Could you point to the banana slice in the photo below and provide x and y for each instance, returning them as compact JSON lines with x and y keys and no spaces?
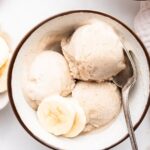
{"x":3,"y":78}
{"x":79,"y":121}
{"x":56,"y":115}
{"x":4,"y":52}
{"x":4,"y":63}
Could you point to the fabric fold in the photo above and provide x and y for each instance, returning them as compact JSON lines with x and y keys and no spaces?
{"x":142,"y":23}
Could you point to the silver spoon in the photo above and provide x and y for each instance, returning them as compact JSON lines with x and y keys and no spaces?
{"x":125,"y":80}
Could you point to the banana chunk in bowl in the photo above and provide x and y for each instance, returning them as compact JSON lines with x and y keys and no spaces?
{"x":61,"y":116}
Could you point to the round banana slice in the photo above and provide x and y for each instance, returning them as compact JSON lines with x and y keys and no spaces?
{"x":79,"y":121}
{"x":56,"y":115}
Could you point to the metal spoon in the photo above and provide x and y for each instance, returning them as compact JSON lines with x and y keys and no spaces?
{"x":125,"y":80}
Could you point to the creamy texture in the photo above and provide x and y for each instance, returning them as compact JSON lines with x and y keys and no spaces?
{"x":94,"y":52}
{"x":48,"y":74}
{"x":100,"y":101}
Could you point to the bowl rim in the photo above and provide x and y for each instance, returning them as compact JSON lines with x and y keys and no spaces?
{"x":9,"y":77}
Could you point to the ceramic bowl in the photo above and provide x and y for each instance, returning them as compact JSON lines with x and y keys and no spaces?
{"x":52,"y":30}
{"x":3,"y":100}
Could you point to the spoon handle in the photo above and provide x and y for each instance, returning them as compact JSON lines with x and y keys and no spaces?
{"x":125,"y":103}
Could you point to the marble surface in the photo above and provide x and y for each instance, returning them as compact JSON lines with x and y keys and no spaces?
{"x":17,"y":17}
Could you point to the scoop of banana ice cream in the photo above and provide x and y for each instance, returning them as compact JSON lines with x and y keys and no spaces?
{"x":48,"y":74}
{"x":94,"y":52}
{"x":100,"y":101}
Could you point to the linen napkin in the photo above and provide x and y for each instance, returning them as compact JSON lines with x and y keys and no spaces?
{"x":142,"y":23}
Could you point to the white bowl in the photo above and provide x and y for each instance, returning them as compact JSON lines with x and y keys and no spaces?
{"x":56,"y":27}
{"x":3,"y":100}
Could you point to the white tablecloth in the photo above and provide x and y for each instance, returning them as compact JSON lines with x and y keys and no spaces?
{"x":19,"y":16}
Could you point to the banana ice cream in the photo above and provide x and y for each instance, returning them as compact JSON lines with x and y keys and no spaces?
{"x":49,"y":74}
{"x":74,"y":93}
{"x":94,"y":52}
{"x":4,"y":63}
{"x":100,"y":101}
